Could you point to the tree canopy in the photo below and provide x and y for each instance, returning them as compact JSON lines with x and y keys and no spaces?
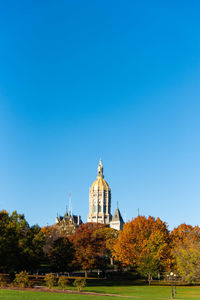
{"x":21,"y":246}
{"x":143,"y":241}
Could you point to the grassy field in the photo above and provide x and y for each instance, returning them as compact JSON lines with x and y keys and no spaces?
{"x":137,"y":292}
{"x":23,"y":295}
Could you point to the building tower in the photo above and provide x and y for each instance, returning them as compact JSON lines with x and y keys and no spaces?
{"x":100,"y":199}
{"x":117,"y":220}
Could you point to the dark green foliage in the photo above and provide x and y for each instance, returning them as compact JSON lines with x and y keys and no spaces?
{"x":21,"y":246}
{"x":61,"y":255}
{"x":80,"y":283}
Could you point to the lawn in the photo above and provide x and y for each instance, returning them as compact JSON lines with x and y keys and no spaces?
{"x":149,"y":292}
{"x":137,"y":292}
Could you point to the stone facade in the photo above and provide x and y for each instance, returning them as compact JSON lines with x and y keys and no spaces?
{"x":68,"y":223}
{"x":100,"y":199}
{"x":117,"y":221}
{"x":100,"y":203}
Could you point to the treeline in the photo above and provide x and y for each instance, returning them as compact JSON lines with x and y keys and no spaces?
{"x":145,"y":245}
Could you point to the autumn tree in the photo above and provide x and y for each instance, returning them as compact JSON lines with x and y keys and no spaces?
{"x":51,"y":234}
{"x":108,"y":236}
{"x":185,"y":248}
{"x":89,"y":246}
{"x":180,"y":233}
{"x":144,"y":242}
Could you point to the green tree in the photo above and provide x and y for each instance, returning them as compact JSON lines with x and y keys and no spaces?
{"x":61,"y":255}
{"x":148,"y":267}
{"x":20,"y":245}
{"x":13,"y":230}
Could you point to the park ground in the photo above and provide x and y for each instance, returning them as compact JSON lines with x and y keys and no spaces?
{"x":126,"y":292}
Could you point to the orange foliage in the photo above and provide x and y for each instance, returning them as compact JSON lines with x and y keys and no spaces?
{"x":140,"y":237}
{"x":88,"y":246}
{"x":182,"y":232}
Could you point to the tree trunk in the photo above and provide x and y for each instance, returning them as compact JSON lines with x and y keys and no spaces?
{"x":149,"y":278}
{"x":111,"y":260}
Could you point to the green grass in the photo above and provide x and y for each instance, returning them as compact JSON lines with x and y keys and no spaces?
{"x":148,"y":292}
{"x":137,"y":292}
{"x":26,"y":295}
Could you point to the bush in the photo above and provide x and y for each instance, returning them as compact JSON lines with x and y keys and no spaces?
{"x":50,"y":280}
{"x":63,"y":282}
{"x":79,"y":283}
{"x":3,"y":281}
{"x":21,"y":279}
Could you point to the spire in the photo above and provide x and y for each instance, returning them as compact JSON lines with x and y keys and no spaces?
{"x":117,"y":216}
{"x":70,"y":205}
{"x":100,"y":170}
{"x":66,"y":214}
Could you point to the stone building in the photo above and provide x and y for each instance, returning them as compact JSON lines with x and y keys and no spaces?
{"x":100,"y":203}
{"x":117,"y":220}
{"x":68,"y":223}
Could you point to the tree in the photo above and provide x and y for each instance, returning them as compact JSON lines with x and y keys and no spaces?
{"x":143,"y":239}
{"x":108,"y":236}
{"x":88,"y":246}
{"x":185,"y":245}
{"x":180,"y":233}
{"x":20,"y":245}
{"x":13,"y":230}
{"x":61,"y":255}
{"x":51,"y":234}
{"x":187,"y":257}
{"x":148,"y":266}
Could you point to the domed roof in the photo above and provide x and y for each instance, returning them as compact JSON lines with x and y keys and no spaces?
{"x":100,"y":184}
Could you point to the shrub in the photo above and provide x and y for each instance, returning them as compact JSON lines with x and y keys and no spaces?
{"x":80,"y":283}
{"x":50,"y":280}
{"x":21,"y":279}
{"x":63,"y":282}
{"x":3,"y":281}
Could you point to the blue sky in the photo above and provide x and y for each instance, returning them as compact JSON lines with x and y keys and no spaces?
{"x":117,"y":80}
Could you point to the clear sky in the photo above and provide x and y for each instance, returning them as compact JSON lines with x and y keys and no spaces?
{"x":117,"y":80}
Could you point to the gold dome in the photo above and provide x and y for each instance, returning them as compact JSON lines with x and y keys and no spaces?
{"x":100,"y":184}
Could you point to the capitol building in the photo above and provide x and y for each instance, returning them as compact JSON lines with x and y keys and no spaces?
{"x":99,"y":208}
{"x":100,"y":203}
